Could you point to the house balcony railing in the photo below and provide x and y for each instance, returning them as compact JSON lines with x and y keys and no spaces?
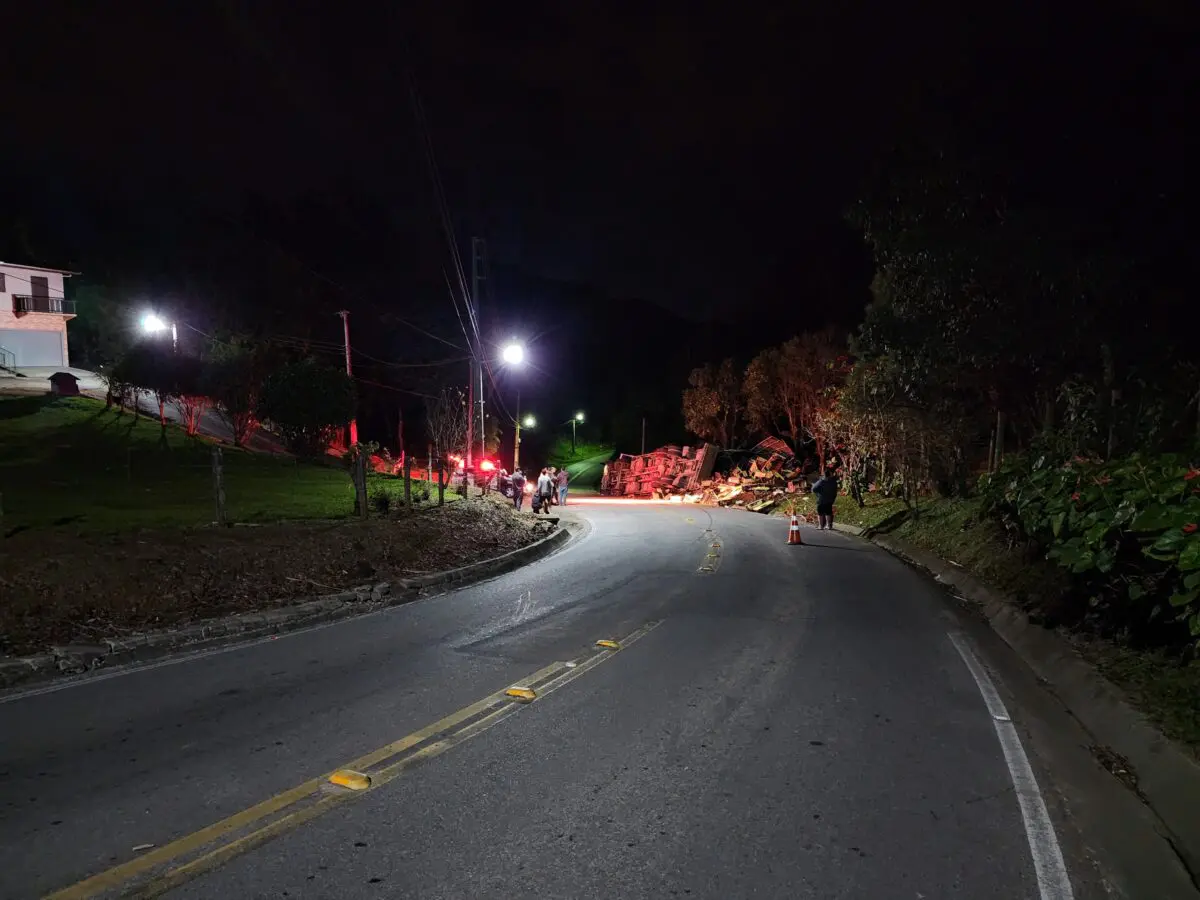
{"x":23,"y":303}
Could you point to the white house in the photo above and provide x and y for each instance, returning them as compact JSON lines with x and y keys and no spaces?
{"x":33,"y":316}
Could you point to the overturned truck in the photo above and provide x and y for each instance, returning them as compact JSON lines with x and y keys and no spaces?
{"x":670,"y":471}
{"x":757,"y":479}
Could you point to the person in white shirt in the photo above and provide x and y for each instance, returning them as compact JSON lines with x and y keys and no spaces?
{"x":545,"y":488}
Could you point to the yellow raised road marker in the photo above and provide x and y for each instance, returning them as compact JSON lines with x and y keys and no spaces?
{"x":608,"y":645}
{"x":164,"y":868}
{"x":348,"y":778}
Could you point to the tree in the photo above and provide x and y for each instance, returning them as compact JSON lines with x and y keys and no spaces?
{"x":790,"y":389}
{"x":234,"y":381}
{"x":713,"y":404}
{"x":491,"y":435}
{"x":190,"y":400}
{"x":150,"y":366}
{"x":446,"y":416}
{"x":306,"y":402}
{"x":100,"y":335}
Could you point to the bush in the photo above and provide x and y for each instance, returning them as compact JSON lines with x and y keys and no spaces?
{"x":1128,"y":531}
{"x":306,"y":402}
{"x":381,"y":502}
{"x":233,"y":379}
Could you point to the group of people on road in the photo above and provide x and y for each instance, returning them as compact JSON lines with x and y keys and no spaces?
{"x":550,"y":489}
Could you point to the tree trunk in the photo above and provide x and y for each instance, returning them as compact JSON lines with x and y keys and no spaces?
{"x":1048,"y":414}
{"x":999,"y":438}
{"x":1198,"y":419}
{"x":1110,"y":384}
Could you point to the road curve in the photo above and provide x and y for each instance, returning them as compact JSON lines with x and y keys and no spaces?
{"x":791,"y":722}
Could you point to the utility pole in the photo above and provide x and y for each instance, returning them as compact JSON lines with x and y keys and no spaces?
{"x":478,"y":275}
{"x":400,"y":434}
{"x":643,"y":435}
{"x":517,"y":437}
{"x":470,"y":415}
{"x":345,"y":314}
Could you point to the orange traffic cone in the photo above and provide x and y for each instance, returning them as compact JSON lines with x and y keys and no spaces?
{"x":794,"y":531}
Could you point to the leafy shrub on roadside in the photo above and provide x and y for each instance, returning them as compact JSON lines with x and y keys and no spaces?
{"x":381,"y":501}
{"x":1128,"y":531}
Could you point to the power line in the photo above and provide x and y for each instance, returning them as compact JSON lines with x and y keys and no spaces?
{"x":422,"y":365}
{"x":394,"y":388}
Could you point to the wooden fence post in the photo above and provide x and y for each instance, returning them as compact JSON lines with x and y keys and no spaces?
{"x":360,"y":483}
{"x":218,"y":470}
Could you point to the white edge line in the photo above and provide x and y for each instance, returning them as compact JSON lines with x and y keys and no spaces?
{"x":131,"y":668}
{"x":1053,"y":881}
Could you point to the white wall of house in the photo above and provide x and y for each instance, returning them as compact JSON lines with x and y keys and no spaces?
{"x":29,"y":337}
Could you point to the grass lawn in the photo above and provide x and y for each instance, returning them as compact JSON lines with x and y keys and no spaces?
{"x":70,"y":464}
{"x":1167,"y":691}
{"x":585,"y":465}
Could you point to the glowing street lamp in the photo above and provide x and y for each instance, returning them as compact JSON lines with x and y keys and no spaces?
{"x":154,"y":324}
{"x":575,"y":420}
{"x":527,"y":422}
{"x":513,"y":354}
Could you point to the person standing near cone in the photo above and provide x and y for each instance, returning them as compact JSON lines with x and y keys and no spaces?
{"x":826,"y":490}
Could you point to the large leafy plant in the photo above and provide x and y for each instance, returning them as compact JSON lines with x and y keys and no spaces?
{"x":1129,"y":530}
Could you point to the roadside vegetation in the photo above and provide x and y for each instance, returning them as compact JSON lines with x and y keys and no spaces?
{"x":876,"y":509}
{"x":585,"y":462}
{"x":71,"y":464}
{"x":1022,"y":390}
{"x":107,"y":526}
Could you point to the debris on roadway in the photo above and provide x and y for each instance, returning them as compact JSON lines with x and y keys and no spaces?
{"x":757,"y":480}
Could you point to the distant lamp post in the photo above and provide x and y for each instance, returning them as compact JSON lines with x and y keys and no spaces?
{"x":575,"y":420}
{"x":513,"y":354}
{"x":154,"y":324}
{"x":527,"y":422}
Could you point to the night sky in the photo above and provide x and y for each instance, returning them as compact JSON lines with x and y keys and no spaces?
{"x":699,"y":163}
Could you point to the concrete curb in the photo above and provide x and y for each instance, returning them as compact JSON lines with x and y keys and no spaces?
{"x":74,"y":659}
{"x":1168,"y":778}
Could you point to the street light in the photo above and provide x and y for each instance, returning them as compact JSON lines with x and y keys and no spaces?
{"x":513,"y":354}
{"x":575,"y":420}
{"x":527,"y":422}
{"x":153,"y":324}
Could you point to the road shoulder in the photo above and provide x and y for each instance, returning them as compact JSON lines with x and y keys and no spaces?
{"x":1095,"y":725}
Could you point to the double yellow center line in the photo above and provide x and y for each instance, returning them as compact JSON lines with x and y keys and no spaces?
{"x":167,"y":867}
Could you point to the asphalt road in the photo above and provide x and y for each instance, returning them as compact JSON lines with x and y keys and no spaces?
{"x":586,"y":473}
{"x":791,"y":722}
